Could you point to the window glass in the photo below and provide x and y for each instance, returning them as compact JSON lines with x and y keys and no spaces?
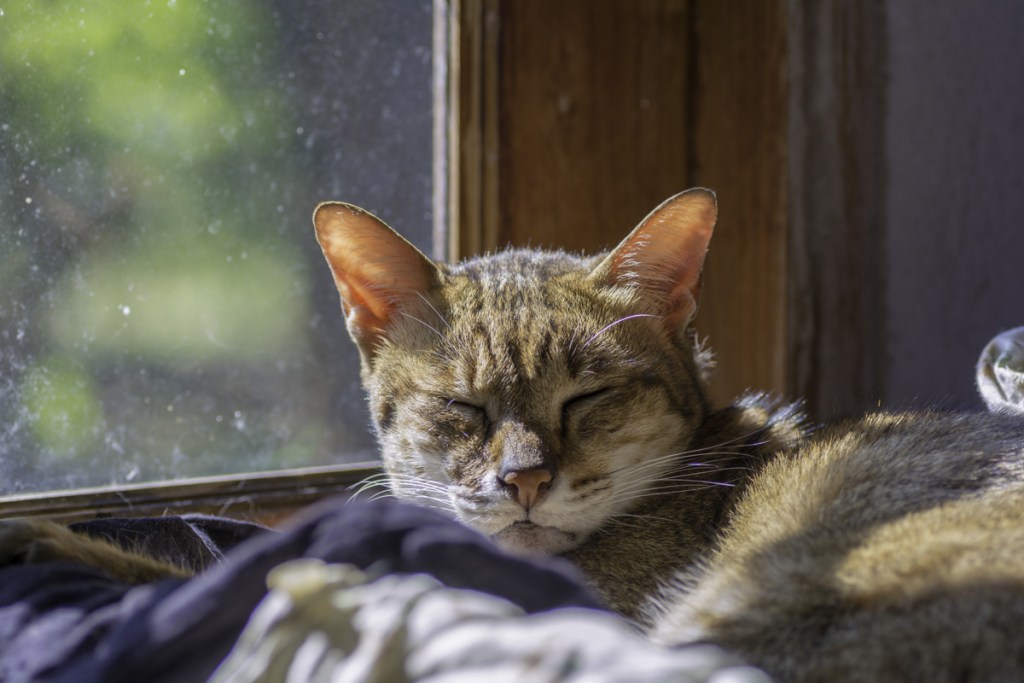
{"x":164,"y":309}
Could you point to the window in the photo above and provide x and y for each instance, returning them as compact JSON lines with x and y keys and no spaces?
{"x":164,"y":309}
{"x":165,"y":312}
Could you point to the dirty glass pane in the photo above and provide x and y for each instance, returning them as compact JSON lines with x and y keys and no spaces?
{"x":164,"y":309}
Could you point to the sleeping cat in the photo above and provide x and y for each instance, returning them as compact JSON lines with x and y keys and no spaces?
{"x":557,"y":404}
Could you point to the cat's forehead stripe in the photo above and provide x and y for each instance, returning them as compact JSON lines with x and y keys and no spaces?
{"x":505,"y":313}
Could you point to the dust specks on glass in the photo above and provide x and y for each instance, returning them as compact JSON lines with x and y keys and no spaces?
{"x":164,"y":309}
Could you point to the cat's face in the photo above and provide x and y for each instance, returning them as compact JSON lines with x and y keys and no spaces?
{"x":533,"y":395}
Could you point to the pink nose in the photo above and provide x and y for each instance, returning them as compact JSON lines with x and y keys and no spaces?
{"x":528,"y":486}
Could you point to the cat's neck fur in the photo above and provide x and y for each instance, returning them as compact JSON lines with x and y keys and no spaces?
{"x":673,"y":532}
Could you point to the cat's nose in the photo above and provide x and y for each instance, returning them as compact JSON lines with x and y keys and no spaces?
{"x":528,"y":486}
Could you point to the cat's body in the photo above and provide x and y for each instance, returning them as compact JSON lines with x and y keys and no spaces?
{"x":889,"y":548}
{"x":557,"y":404}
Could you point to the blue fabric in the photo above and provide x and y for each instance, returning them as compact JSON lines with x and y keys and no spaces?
{"x":71,"y":624}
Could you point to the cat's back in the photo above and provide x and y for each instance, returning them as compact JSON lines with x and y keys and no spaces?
{"x":889,"y":548}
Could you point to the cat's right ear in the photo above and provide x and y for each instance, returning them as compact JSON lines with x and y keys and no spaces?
{"x":663,"y":257}
{"x":379,"y":274}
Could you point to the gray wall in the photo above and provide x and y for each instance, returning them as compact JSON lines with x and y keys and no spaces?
{"x":955,"y":192}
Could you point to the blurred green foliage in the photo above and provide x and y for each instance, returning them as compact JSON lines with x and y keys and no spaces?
{"x":63,"y":399}
{"x":154,"y":311}
{"x":161,"y":78}
{"x":182,"y":310}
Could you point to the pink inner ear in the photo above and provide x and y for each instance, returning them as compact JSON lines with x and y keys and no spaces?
{"x":664,"y":255}
{"x":376,"y":270}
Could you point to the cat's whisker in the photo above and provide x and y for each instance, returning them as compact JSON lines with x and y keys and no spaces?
{"x":739,"y":439}
{"x":645,"y":466}
{"x":424,"y":493}
{"x":436,"y":312}
{"x":664,"y":464}
{"x":706,"y":467}
{"x":570,"y":348}
{"x":419,"y":481}
{"x":684,"y":477}
{"x":644,"y":517}
{"x":380,"y":480}
{"x":362,"y":490}
{"x":714,"y":449}
{"x":425,"y":324}
{"x":419,"y":486}
{"x":685,"y":470}
{"x":639,"y":490}
{"x":660,"y":461}
{"x":373,"y":478}
{"x":364,"y":493}
{"x":745,"y":449}
{"x":414,"y":488}
{"x":617,"y":322}
{"x":615,"y":521}
{"x":665,"y":491}
{"x":470,"y":518}
{"x":359,"y":489}
{"x":433,"y":505}
{"x":368,"y":483}
{"x":690,"y":455}
{"x":704,"y":483}
{"x":444,"y":503}
{"x":713,"y":469}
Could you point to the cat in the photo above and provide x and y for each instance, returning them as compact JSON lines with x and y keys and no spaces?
{"x":523,"y":391}
{"x":557,"y":403}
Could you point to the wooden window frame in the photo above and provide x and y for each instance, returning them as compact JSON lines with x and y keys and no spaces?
{"x":265,"y":497}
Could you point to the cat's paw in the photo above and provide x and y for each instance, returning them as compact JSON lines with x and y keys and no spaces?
{"x":34,"y":541}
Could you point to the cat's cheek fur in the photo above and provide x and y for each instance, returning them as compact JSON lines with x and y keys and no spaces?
{"x":648,"y":450}
{"x":417,"y":472}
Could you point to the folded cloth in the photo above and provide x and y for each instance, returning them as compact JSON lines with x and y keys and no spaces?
{"x":64,"y":623}
{"x":1000,"y":373}
{"x":332,"y":622}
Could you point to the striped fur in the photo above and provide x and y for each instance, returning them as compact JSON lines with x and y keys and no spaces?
{"x":888,"y":548}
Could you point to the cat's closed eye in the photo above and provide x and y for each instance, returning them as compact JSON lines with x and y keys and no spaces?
{"x":581,"y":402}
{"x":464,"y":410}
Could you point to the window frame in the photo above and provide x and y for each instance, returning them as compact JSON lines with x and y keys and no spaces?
{"x":265,"y":497}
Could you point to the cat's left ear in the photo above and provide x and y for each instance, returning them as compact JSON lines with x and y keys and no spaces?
{"x":664,"y":256}
{"x":379,"y":273}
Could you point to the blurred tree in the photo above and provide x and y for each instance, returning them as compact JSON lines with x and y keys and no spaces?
{"x":155,"y":315}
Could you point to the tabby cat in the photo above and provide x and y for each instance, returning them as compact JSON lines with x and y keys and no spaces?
{"x":557,"y":403}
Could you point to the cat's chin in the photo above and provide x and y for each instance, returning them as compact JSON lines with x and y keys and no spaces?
{"x":531,"y":539}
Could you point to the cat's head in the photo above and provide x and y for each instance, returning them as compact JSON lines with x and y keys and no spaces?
{"x":531,"y":394}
